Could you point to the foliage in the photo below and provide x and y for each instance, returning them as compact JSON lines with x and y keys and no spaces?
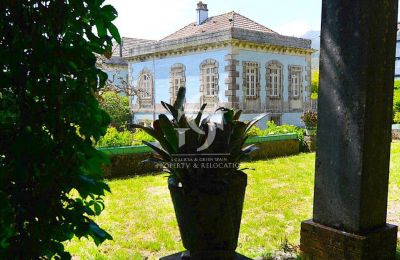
{"x":255,"y":131}
{"x":114,"y":138}
{"x":140,"y":136}
{"x":117,"y":106}
{"x":273,"y":129}
{"x":314,"y":84}
{"x":310,"y":118}
{"x":228,"y":140}
{"x":397,"y":84}
{"x":396,"y":101}
{"x":396,"y":119}
{"x":51,"y":183}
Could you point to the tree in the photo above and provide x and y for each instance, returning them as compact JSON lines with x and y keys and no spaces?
{"x":124,"y":88}
{"x":117,"y":106}
{"x":314,"y":84}
{"x":50,"y":173}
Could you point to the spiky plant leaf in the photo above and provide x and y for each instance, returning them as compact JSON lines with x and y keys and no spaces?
{"x":180,"y":99}
{"x":169,"y":131}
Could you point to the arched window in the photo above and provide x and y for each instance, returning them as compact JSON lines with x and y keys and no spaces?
{"x":145,"y":89}
{"x":209,"y":81}
{"x":295,"y":81}
{"x":274,"y":79}
{"x":177,"y":80}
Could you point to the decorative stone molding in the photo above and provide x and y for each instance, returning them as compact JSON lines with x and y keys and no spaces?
{"x":142,"y":101}
{"x":210,"y":100}
{"x":177,"y":72}
{"x":234,"y":37}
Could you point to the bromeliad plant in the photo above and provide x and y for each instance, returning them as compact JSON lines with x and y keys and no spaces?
{"x":229,"y":140}
{"x":208,"y":201}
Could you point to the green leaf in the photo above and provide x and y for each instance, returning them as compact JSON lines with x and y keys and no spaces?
{"x":114,"y":32}
{"x":200,"y":114}
{"x":180,"y":99}
{"x":237,"y":115}
{"x":171,"y":110}
{"x":169,"y":131}
{"x":158,"y":150}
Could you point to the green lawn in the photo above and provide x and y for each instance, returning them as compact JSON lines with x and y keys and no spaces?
{"x":139,"y":213}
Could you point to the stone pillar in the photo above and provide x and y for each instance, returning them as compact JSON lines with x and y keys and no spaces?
{"x":232,"y":73}
{"x":352,"y":167}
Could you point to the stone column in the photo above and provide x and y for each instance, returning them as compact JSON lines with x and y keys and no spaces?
{"x":232,"y":73}
{"x":352,"y":167}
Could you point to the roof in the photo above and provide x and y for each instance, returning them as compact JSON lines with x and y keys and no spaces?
{"x":218,"y":23}
{"x":127,"y":44}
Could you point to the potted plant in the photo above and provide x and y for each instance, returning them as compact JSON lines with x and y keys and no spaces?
{"x":310,"y":120}
{"x":205,"y":182}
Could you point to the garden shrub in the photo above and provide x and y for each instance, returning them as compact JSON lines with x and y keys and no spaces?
{"x":114,"y":138}
{"x":310,"y":119}
{"x":255,"y":131}
{"x":51,"y":183}
{"x":314,"y":84}
{"x":272,"y":129}
{"x":140,"y":135}
{"x":275,"y":149}
{"x":117,"y":106}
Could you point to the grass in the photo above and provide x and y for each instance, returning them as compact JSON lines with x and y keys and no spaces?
{"x":139,"y":213}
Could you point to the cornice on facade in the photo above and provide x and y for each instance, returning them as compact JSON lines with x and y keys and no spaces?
{"x":234,"y":37}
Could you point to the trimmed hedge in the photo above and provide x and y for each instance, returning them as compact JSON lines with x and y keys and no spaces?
{"x":124,"y":165}
{"x":274,"y":149}
{"x":128,"y":160}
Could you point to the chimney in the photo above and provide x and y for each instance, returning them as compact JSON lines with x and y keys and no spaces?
{"x":202,"y":13}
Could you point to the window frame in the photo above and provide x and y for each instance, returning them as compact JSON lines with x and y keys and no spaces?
{"x":210,"y":78}
{"x":177,"y":72}
{"x":252,"y":79}
{"x":296,"y":81}
{"x":274,"y":80}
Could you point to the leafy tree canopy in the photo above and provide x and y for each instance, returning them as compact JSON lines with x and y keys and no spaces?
{"x":117,"y":106}
{"x":314,"y":84}
{"x":50,"y":174}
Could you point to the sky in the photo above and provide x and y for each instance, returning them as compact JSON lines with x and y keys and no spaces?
{"x":155,"y":19}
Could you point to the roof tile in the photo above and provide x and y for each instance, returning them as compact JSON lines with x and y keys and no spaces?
{"x":218,"y":23}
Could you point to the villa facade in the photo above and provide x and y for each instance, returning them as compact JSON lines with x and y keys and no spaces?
{"x":226,"y":60}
